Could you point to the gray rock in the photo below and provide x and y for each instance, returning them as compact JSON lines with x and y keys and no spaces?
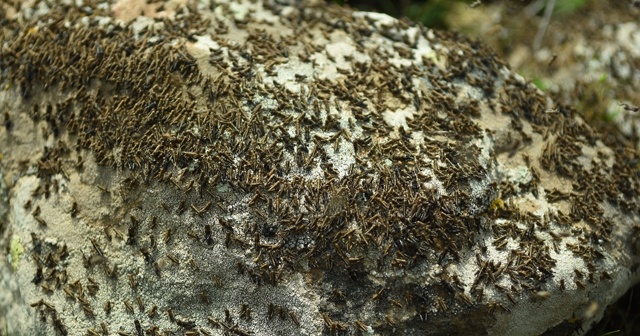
{"x":295,"y":169}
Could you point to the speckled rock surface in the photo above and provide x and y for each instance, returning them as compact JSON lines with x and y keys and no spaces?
{"x":276,"y":169}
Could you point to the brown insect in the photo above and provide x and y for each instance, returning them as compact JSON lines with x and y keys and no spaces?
{"x":107,"y":307}
{"x":74,"y":209}
{"x":167,"y":236}
{"x":207,"y":234}
{"x":153,"y":311}
{"x":245,"y":312}
{"x":630,"y":108}
{"x":128,"y":306}
{"x":140,"y":303}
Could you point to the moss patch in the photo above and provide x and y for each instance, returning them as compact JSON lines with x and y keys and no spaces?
{"x":16,"y":250}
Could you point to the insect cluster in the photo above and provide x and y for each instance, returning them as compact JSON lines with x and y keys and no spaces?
{"x":231,"y":134}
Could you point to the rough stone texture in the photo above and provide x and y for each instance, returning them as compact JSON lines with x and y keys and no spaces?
{"x":299,"y":169}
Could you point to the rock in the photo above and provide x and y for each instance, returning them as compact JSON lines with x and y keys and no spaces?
{"x":295,"y":169}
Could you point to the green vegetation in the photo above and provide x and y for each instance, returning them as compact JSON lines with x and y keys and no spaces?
{"x":430,"y":14}
{"x":540,"y":83}
{"x":16,"y":249}
{"x":569,"y":6}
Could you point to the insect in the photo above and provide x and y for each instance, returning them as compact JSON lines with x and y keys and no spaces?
{"x":46,"y":288}
{"x":167,"y":236}
{"x":88,"y":310}
{"x":146,"y":255}
{"x":132,"y":281}
{"x":441,"y":305}
{"x":378,"y":293}
{"x":7,"y":121}
{"x":153,"y":311}
{"x":630,"y":108}
{"x":92,"y":332}
{"x":294,"y":318}
{"x":74,"y":209}
{"x":185,"y":324}
{"x":361,"y":326}
{"x":60,"y":325}
{"x":128,"y":306}
{"x":131,"y":232}
{"x":271,"y":308}
{"x":40,"y":220}
{"x":113,"y":272}
{"x":170,"y":313}
{"x":387,"y":319}
{"x":396,"y":303}
{"x":207,"y":234}
{"x":245,"y":312}
{"x":69,"y":293}
{"x":140,"y":303}
{"x":173,"y":258}
{"x":201,"y":211}
{"x":138,"y":328}
{"x":181,"y":207}
{"x":193,"y":235}
{"x":96,"y":247}
{"x":553,"y":58}
{"x":204,"y":298}
{"x":38,"y":277}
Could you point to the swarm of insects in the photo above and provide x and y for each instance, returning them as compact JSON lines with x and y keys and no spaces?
{"x":239,"y":157}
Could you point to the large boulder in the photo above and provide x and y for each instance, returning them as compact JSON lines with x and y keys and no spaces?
{"x":277,"y":168}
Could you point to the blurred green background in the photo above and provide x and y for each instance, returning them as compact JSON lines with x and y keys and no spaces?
{"x":431,"y":13}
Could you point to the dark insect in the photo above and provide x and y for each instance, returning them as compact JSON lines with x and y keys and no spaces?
{"x":630,"y":108}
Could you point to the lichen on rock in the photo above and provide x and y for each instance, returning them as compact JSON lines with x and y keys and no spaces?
{"x":295,"y":168}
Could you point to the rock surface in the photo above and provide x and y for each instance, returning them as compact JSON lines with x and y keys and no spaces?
{"x":298,"y":169}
